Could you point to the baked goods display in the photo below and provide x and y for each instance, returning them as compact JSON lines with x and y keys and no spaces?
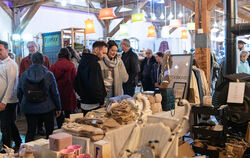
{"x":119,"y":112}
{"x":84,"y":130}
{"x":155,"y":103}
{"x":131,"y":109}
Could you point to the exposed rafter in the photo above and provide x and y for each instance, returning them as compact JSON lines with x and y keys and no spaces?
{"x":24,"y":11}
{"x":240,"y":14}
{"x":25,"y":3}
{"x":112,"y":33}
{"x":119,"y":2}
{"x":71,"y":7}
{"x":96,"y":15}
{"x":212,"y":3}
{"x":32,"y":11}
{"x":126,"y":17}
{"x":6,"y":9}
{"x":187,"y":3}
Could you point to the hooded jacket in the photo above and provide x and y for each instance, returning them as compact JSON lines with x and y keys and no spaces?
{"x":89,"y":83}
{"x":36,"y":73}
{"x":65,"y":73}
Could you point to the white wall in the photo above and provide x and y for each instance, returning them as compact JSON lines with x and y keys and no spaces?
{"x":5,"y":26}
{"x":49,"y":19}
{"x":138,"y":30}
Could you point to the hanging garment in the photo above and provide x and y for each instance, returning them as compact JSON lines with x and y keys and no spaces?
{"x":205,"y":87}
{"x":194,"y":96}
{"x":199,"y":81}
{"x":163,"y":46}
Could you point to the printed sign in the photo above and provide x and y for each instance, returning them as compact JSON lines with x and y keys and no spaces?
{"x":51,"y":45}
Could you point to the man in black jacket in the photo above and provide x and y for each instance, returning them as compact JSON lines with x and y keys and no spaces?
{"x":146,"y":67}
{"x":130,"y":60}
{"x":89,"y":83}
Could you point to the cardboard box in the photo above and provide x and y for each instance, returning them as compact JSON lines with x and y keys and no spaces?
{"x":60,"y":141}
{"x":83,"y":141}
{"x":185,"y":150}
{"x":102,"y":149}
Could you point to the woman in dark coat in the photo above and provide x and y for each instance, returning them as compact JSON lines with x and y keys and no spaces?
{"x":65,"y":73}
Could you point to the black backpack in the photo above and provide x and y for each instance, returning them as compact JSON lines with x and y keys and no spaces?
{"x":35,"y":92}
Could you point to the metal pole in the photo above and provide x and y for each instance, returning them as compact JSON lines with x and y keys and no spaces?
{"x":230,"y":38}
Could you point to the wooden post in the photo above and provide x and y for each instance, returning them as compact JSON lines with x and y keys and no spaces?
{"x":17,"y":45}
{"x":202,"y":40}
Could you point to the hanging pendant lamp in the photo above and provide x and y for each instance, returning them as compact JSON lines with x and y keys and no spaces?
{"x":89,"y":26}
{"x":151,"y":31}
{"x":138,"y":17}
{"x":106,"y":13}
{"x":124,"y":29}
{"x":184,"y":34}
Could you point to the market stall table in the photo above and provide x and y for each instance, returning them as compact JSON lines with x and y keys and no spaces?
{"x":118,"y":137}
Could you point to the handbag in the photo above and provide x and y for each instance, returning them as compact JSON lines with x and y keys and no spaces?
{"x":168,"y":99}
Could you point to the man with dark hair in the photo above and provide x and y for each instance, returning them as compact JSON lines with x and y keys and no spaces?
{"x":39,"y":97}
{"x":89,"y":83}
{"x":131,"y":62}
{"x":8,"y":97}
{"x":156,"y":69}
{"x":146,"y":67}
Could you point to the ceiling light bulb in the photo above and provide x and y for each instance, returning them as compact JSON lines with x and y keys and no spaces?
{"x":180,"y":15}
{"x":153,"y":17}
{"x":162,"y":16}
{"x":73,"y":1}
{"x":170,"y":16}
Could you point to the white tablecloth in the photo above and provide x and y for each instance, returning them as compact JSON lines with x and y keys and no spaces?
{"x":118,"y":137}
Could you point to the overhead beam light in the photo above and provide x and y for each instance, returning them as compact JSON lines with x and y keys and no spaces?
{"x":180,"y":15}
{"x":153,"y":17}
{"x":170,"y":16}
{"x":162,"y":16}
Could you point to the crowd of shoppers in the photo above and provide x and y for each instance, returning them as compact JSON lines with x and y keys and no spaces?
{"x":46,"y":92}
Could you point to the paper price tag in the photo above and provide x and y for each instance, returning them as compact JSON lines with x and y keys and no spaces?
{"x":236,"y":92}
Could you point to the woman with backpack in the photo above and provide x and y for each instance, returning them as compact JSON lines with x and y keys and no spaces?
{"x":38,"y":94}
{"x":65,"y":73}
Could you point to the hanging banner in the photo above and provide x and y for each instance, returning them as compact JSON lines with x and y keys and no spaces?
{"x":52,"y":45}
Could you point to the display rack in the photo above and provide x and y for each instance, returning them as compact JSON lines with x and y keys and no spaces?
{"x":72,"y":32}
{"x":217,"y":137}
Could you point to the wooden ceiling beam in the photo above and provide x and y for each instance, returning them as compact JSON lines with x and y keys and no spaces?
{"x":187,"y":3}
{"x":6,"y":9}
{"x":119,"y":2}
{"x":240,"y":13}
{"x":117,"y":9}
{"x":24,"y":11}
{"x":212,"y":3}
{"x":32,"y":11}
{"x":71,"y":7}
{"x":112,"y":33}
{"x":25,"y":3}
{"x":126,"y":18}
{"x":96,"y":14}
